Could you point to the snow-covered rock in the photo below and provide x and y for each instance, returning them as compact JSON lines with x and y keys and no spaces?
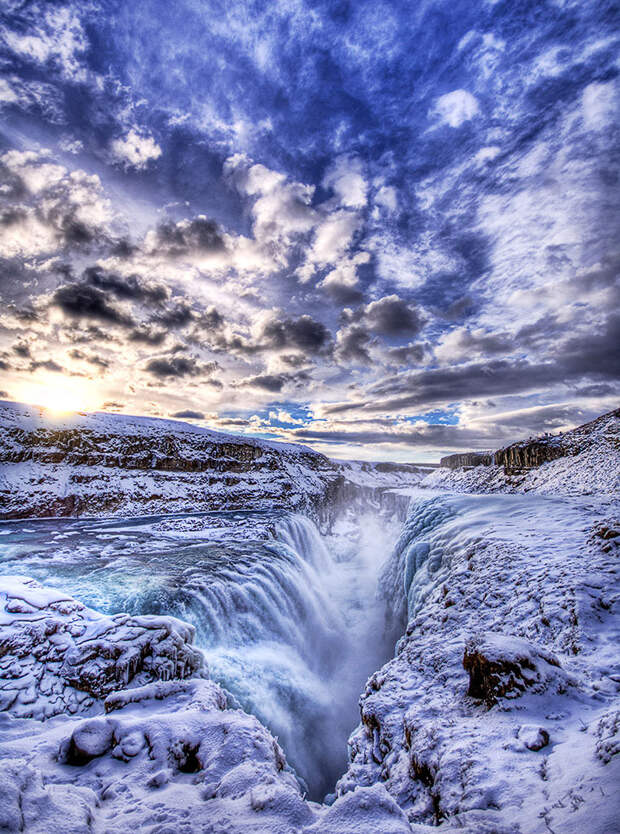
{"x":500,"y":666}
{"x":584,"y":461}
{"x":57,"y":656}
{"x":499,"y":710}
{"x":114,"y":464}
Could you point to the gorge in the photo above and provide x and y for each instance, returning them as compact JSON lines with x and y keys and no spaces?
{"x":498,"y":710}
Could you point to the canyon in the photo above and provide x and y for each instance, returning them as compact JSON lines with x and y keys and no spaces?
{"x":200,"y":669}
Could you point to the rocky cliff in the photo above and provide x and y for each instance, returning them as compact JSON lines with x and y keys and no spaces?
{"x":467,"y":459}
{"x":102,"y":464}
{"x":582,"y":461}
{"x":536,"y":451}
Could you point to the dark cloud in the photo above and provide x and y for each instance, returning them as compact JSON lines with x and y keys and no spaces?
{"x":22,"y":350}
{"x":276,"y":382}
{"x":189,"y":415}
{"x":353,"y":344}
{"x":84,"y":301}
{"x":600,"y":389}
{"x":89,"y":357}
{"x":268,"y":382}
{"x":197,"y":235}
{"x":13,"y":215}
{"x":178,"y":366}
{"x":131,"y":287}
{"x":47,"y":365}
{"x":593,"y":356}
{"x":176,"y":316}
{"x":305,"y":333}
{"x":392,"y":316}
{"x":123,"y":248}
{"x":148,"y":335}
{"x":210,"y":319}
{"x":412,"y":354}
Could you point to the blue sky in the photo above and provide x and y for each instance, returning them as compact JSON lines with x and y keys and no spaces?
{"x":386,"y":230}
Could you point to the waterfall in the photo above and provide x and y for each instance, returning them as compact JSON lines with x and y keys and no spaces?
{"x":417,"y":552}
{"x":289,"y":621}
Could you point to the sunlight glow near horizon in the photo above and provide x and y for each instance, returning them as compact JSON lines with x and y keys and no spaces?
{"x":64,"y":397}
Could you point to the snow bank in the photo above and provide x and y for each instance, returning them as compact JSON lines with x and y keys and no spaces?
{"x":164,"y":755}
{"x":492,"y":715}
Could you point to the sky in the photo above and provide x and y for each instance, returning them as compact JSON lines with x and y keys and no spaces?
{"x":386,"y":230}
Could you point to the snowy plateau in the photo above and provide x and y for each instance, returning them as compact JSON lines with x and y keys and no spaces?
{"x":209,"y":633}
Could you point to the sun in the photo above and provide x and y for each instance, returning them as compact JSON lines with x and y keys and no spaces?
{"x":59,"y":397}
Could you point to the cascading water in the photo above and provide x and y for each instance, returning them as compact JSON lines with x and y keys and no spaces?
{"x":290,"y":627}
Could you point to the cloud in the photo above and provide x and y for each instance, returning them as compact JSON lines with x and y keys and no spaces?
{"x":131,"y":287}
{"x":51,"y":207}
{"x":189,"y":415}
{"x":451,"y":186}
{"x":462,"y":344}
{"x":600,"y":105}
{"x":345,"y":177}
{"x":54,"y":37}
{"x":93,"y":359}
{"x":304,"y":333}
{"x":84,"y":301}
{"x":178,"y":366}
{"x":343,"y":280}
{"x":455,"y":108}
{"x":392,"y":316}
{"x":275,"y":383}
{"x":135,"y":149}
{"x":196,"y":235}
{"x":353,"y":343}
{"x":47,"y":365}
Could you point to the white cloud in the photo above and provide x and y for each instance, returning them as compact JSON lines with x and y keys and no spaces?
{"x":386,"y":198}
{"x":285,"y":417}
{"x":7,"y":93}
{"x":455,"y":108}
{"x":344,"y":274}
{"x":57,"y":197}
{"x":487,"y":154}
{"x":135,"y":149}
{"x":346,"y":179}
{"x":59,"y":37}
{"x":600,"y":104}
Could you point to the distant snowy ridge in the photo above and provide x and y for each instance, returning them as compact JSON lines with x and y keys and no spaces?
{"x":584,"y":461}
{"x":109,"y":464}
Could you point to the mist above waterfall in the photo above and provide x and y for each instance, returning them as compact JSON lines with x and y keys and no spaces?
{"x":289,"y":620}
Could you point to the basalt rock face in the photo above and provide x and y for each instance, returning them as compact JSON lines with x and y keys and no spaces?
{"x":536,"y":451}
{"x":531,"y":453}
{"x":467,"y":459}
